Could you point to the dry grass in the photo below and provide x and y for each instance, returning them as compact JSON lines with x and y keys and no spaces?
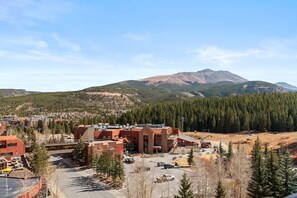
{"x":247,"y":140}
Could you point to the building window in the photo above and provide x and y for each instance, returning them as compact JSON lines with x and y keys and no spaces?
{"x":9,"y":154}
{"x":12,"y":144}
{"x":2,"y":144}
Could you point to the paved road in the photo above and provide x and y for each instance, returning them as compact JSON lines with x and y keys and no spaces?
{"x":78,"y":184}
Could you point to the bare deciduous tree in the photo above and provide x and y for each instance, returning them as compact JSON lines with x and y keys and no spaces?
{"x":239,"y":173}
{"x":141,"y":182}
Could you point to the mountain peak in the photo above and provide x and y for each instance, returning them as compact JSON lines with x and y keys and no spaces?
{"x":205,"y":70}
{"x":287,"y":86}
{"x":206,"y":76}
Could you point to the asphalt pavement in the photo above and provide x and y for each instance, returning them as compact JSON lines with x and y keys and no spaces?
{"x":74,"y":183}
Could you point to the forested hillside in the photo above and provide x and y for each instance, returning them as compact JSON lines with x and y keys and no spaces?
{"x":260,"y":112}
{"x":80,"y":101}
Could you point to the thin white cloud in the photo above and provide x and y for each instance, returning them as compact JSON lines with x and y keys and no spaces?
{"x":67,"y":43}
{"x":27,"y":11}
{"x":35,"y":55}
{"x":273,"y":49}
{"x":26,"y":41}
{"x":136,"y":36}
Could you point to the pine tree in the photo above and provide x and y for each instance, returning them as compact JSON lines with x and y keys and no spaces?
{"x":91,"y":158}
{"x":220,"y":190}
{"x":39,"y":160}
{"x":185,"y":190}
{"x":258,"y":186}
{"x":230,"y":151}
{"x":288,"y":175}
{"x":117,"y":169}
{"x":221,"y":150}
{"x":79,"y":155}
{"x":274,"y":177}
{"x":191,"y":157}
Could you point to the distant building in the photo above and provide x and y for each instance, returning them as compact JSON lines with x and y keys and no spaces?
{"x":2,"y":128}
{"x":32,"y":121}
{"x":11,"y":146}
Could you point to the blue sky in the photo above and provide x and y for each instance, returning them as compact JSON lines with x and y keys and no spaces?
{"x":53,"y":45}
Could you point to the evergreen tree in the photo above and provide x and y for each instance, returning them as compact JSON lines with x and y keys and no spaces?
{"x":117,"y":170}
{"x":220,"y":190}
{"x":273,"y":174}
{"x":230,"y":151}
{"x":288,"y":175}
{"x":185,"y":190}
{"x":39,"y":160}
{"x":258,"y":186}
{"x":92,"y":158}
{"x":221,"y":150}
{"x":191,"y":157}
{"x":79,"y":155}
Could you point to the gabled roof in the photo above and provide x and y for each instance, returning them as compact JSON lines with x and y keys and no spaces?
{"x":187,"y":138}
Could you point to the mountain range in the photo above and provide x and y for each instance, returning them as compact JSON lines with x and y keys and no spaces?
{"x":117,"y":97}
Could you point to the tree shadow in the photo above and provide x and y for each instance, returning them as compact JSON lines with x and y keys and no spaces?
{"x":89,"y":184}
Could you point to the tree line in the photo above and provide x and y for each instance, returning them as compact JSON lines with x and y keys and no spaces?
{"x":259,"y":112}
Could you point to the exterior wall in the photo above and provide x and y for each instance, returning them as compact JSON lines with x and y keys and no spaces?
{"x":84,"y":133}
{"x":164,"y":140}
{"x":176,"y":131}
{"x":115,"y":147}
{"x":107,"y":134}
{"x":132,"y":137}
{"x":33,"y":191}
{"x":186,"y":143}
{"x":11,"y":145}
{"x":88,"y":134}
{"x":172,"y":144}
{"x":146,"y":131}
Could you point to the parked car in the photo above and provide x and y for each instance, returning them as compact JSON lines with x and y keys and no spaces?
{"x":160,"y":164}
{"x":168,"y":177}
{"x":166,"y":166}
{"x":165,"y":177}
{"x":142,"y":169}
{"x":7,"y":170}
{"x":174,"y":158}
{"x":15,"y":160}
{"x":19,"y":166}
{"x":129,"y":160}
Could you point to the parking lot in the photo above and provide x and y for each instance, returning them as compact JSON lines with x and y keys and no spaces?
{"x":70,"y":176}
{"x":163,"y":189}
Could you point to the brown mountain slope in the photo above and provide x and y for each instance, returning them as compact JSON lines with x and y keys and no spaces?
{"x":206,"y":76}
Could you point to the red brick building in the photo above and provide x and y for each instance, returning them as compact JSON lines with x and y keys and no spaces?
{"x":142,"y":139}
{"x":99,"y":147}
{"x":11,"y":146}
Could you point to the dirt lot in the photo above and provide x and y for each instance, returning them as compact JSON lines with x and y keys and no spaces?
{"x":274,"y":140}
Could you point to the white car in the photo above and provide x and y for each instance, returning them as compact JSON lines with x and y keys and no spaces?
{"x":167,"y":177}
